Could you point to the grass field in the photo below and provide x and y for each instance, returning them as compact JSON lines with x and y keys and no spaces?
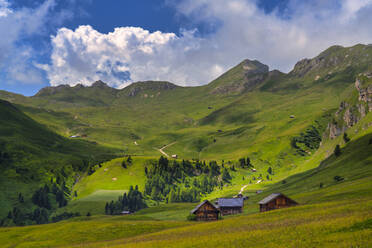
{"x":331,"y":224}
{"x":339,"y":214}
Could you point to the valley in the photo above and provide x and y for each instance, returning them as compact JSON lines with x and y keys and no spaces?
{"x":250,"y":131}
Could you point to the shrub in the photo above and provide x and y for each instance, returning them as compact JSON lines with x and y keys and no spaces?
{"x":191,"y":217}
{"x":337,"y":151}
{"x":346,"y":138}
{"x":338,"y":178}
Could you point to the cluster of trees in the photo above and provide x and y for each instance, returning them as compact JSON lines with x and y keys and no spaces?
{"x":133,"y":201}
{"x":65,"y":216}
{"x":245,"y":162}
{"x":42,"y":196}
{"x":20,"y":218}
{"x":185,"y":181}
{"x":127,"y":162}
{"x":309,"y":140}
{"x":46,"y":198}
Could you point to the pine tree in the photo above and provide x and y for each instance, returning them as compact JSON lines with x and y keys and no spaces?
{"x":107,"y":209}
{"x":337,"y":151}
{"x":129,"y":160}
{"x":248,"y":162}
{"x":242,"y":162}
{"x":123,"y":164}
{"x":226,"y":175}
{"x":20,"y":198}
{"x":346,"y":138}
{"x":172,"y":196}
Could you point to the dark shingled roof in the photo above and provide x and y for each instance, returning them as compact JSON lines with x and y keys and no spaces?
{"x":201,"y":204}
{"x":230,"y":202}
{"x":269,"y":198}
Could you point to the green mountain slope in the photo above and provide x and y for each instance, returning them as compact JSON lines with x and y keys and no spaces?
{"x":248,"y":111}
{"x":287,"y":122}
{"x":31,"y":154}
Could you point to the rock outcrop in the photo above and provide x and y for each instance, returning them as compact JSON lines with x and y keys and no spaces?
{"x":349,"y":114}
{"x":365,"y":89}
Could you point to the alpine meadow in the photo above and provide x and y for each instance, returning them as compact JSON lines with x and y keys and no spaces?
{"x":255,"y":158}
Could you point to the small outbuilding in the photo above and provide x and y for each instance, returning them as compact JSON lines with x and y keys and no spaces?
{"x":206,"y":211}
{"x":276,"y":201}
{"x":125,"y":213}
{"x":229,"y":206}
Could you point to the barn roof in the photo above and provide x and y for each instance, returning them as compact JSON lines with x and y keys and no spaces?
{"x":230,"y":202}
{"x":269,"y":198}
{"x":201,"y":204}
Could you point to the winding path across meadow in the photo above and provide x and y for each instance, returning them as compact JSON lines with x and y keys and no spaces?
{"x":242,"y":189}
{"x":161,"y":150}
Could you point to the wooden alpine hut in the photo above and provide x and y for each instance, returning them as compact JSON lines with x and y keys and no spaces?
{"x":206,"y":211}
{"x":275,"y":201}
{"x":230,"y":205}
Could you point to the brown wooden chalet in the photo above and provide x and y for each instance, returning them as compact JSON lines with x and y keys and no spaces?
{"x":206,"y":211}
{"x":275,"y":201}
{"x":230,"y":205}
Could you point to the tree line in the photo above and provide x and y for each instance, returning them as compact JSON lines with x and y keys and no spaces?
{"x":132,"y":202}
{"x":186,"y":181}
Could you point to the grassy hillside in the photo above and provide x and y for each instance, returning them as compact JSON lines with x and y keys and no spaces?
{"x":31,"y":154}
{"x":246,"y":111}
{"x":338,"y":214}
{"x":107,"y":183}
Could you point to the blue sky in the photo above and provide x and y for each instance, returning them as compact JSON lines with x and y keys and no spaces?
{"x":52,"y":42}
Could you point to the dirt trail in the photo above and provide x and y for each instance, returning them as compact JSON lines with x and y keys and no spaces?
{"x":242,"y":189}
{"x":163,"y":152}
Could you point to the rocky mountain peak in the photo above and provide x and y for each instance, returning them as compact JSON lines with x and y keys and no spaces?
{"x":100,"y":84}
{"x":136,"y":88}
{"x":51,"y":90}
{"x":243,"y":77}
{"x":252,"y":67}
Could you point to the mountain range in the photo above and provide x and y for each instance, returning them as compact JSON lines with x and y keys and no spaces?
{"x":288,"y":122}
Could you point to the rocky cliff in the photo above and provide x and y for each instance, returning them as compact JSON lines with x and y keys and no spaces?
{"x":353,"y":110}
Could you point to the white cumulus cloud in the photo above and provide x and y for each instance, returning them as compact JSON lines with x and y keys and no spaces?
{"x":85,"y":55}
{"x":17,"y":28}
{"x":244,"y":31}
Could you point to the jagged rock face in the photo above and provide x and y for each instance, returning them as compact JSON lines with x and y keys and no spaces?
{"x":365,"y":93}
{"x":350,"y":117}
{"x":334,"y":130}
{"x":352,"y":114}
{"x":362,"y":110}
{"x":304,"y":66}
